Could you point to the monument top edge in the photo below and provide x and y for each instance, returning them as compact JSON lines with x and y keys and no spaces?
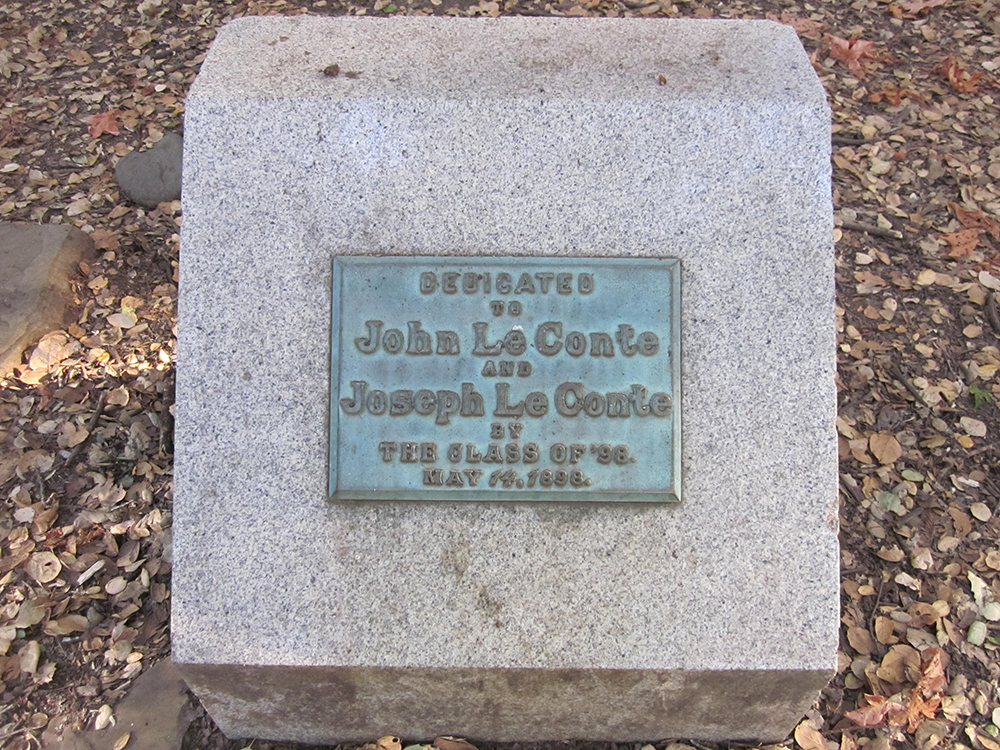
{"x":403,"y":58}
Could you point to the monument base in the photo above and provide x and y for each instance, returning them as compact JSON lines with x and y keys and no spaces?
{"x":299,"y":617}
{"x":324,"y":705}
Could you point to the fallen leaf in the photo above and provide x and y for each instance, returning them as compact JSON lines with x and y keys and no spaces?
{"x":452,"y":743}
{"x":914,"y":7}
{"x":973,"y":426}
{"x":122,"y":741}
{"x":900,"y":665}
{"x":104,"y":718}
{"x":872,"y":714}
{"x":885,"y":447}
{"x":892,"y":554}
{"x":105,"y":122}
{"x":851,"y":52}
{"x":917,"y":709}
{"x":884,"y":630}
{"x":808,"y":737}
{"x":981,"y":511}
{"x":29,"y":655}
{"x":66,"y":624}
{"x":118,"y":397}
{"x":30,"y":613}
{"x":78,"y":207}
{"x":962,"y":243}
{"x":861,"y":640}
{"x":79,"y":57}
{"x":989,"y":281}
{"x":804,"y":27}
{"x":933,"y":679}
{"x":977,"y":633}
{"x":44,"y":567}
{"x":976,"y":219}
{"x":972,"y":331}
{"x":959,"y":77}
{"x":122,"y":320}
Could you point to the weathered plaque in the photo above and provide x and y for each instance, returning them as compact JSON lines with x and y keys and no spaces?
{"x":505,"y":379}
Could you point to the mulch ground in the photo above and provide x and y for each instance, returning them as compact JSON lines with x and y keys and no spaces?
{"x":85,"y":424}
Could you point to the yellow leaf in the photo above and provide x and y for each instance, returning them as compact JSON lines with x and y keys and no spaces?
{"x":122,"y":741}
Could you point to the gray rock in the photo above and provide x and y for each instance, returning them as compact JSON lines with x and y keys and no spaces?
{"x":154,"y":176}
{"x":36,"y":262}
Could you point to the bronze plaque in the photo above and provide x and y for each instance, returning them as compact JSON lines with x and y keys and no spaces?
{"x":495,"y":379}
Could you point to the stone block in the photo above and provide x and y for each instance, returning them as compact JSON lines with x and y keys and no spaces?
{"x":300,"y":618}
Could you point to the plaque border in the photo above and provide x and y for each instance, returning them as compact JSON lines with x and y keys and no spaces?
{"x":516,"y":496}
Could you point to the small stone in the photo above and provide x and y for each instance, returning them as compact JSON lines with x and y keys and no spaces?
{"x":154,"y":176}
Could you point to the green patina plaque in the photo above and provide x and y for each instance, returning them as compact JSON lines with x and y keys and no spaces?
{"x":491,"y":379}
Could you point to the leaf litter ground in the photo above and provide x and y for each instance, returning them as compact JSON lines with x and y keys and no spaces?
{"x":85,"y":424}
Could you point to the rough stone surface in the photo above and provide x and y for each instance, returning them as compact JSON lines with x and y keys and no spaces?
{"x":298,"y":618}
{"x":154,"y":176}
{"x":155,"y":714}
{"x":36,"y":263}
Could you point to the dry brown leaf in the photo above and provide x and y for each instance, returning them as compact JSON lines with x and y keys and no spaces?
{"x":885,"y":630}
{"x":851,"y":52}
{"x":44,"y":567}
{"x":30,"y":613}
{"x":885,"y":447}
{"x":933,"y":679}
{"x":808,"y":737}
{"x":975,"y":219}
{"x":892,"y":554}
{"x":29,"y":655}
{"x":66,"y":624}
{"x":973,"y":427}
{"x":122,"y":319}
{"x":900,"y":665}
{"x":916,"y":710}
{"x":122,"y":741}
{"x":861,"y":640}
{"x":872,"y":714}
{"x":959,"y":77}
{"x":914,"y":7}
{"x":962,"y":242}
{"x":452,"y":743}
{"x":105,"y":122}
